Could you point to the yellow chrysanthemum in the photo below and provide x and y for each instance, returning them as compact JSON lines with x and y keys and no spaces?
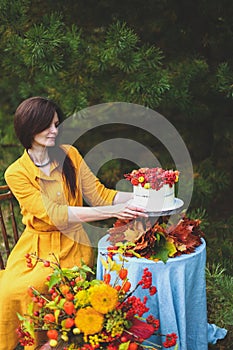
{"x":147,"y":185}
{"x":81,"y":298}
{"x":103,"y":298}
{"x":89,"y":321}
{"x":141,"y":178}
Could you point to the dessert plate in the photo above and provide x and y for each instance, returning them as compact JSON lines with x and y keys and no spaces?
{"x":178,"y":204}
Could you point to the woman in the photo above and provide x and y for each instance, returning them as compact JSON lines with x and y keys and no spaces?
{"x":49,"y":181}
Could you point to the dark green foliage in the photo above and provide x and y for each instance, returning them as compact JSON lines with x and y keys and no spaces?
{"x":219,"y":285}
{"x":225,"y":79}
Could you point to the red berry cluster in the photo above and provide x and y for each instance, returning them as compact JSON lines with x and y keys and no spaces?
{"x":146,"y":282}
{"x":28,"y":257}
{"x":29,"y":260}
{"x":54,"y":293}
{"x":134,"y":306}
{"x":39,"y":301}
{"x":154,"y":321}
{"x":24,"y":337}
{"x":36,"y":298}
{"x":152,"y":290}
{"x":170,"y":340}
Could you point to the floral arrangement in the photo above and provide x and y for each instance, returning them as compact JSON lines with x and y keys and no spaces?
{"x":153,"y":178}
{"x":83,"y":313}
{"x":157,"y":241}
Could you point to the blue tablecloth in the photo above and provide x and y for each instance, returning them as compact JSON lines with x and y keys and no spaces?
{"x":180,"y":303}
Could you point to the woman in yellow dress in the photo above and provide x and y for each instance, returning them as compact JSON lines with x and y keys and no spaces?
{"x":49,"y":181}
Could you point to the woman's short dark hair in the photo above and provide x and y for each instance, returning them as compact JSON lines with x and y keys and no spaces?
{"x":34,"y":115}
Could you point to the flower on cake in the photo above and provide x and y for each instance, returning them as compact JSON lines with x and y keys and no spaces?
{"x":83,"y":313}
{"x":153,"y":178}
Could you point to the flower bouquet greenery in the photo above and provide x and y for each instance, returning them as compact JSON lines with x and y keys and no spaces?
{"x":80,"y":312}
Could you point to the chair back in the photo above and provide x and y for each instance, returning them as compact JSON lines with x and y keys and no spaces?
{"x":8,"y":227}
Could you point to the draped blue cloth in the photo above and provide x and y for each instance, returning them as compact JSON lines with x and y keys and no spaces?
{"x":180,"y":302}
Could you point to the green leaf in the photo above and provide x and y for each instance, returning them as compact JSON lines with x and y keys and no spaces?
{"x":163,"y":254}
{"x":104,"y":263}
{"x":54,"y":280}
{"x":124,"y":346}
{"x":85,"y":284}
{"x":30,"y":309}
{"x":20,"y":317}
{"x":171,"y":248}
{"x":61,"y":303}
{"x":53,"y":305}
{"x":56,"y":314}
{"x":134,"y":253}
{"x":29,"y":326}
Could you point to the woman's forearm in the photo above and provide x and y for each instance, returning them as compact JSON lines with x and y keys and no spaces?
{"x":119,"y":211}
{"x":88,"y":214}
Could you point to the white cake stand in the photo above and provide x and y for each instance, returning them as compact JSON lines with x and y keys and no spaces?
{"x":178,"y":204}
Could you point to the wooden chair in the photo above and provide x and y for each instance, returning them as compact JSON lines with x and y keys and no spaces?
{"x":8,"y":236}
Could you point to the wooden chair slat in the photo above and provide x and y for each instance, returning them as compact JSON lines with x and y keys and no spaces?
{"x":6,"y":196}
{"x":4,"y":233}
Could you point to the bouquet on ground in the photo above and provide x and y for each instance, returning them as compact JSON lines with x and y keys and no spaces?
{"x":82,"y":313}
{"x":157,"y":241}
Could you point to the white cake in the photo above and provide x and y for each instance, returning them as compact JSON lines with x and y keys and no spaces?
{"x":153,"y":188}
{"x":152,"y":200}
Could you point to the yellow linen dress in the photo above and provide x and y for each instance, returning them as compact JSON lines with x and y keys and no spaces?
{"x":44,"y":204}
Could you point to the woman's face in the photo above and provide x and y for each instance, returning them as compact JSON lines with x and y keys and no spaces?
{"x":47,"y":137}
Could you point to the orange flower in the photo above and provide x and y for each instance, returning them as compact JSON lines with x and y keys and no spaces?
{"x":89,"y":321}
{"x":103,"y":298}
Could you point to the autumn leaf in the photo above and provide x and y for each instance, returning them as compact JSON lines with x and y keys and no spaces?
{"x":132,"y":235}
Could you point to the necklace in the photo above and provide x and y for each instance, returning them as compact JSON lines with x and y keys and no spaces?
{"x":42,"y":165}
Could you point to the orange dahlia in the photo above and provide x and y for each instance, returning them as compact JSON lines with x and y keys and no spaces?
{"x":89,"y":321}
{"x":103,"y":298}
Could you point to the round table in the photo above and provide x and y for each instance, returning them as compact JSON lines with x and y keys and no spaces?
{"x":180,"y":302}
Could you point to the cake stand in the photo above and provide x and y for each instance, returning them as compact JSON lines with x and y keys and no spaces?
{"x":178,"y":204}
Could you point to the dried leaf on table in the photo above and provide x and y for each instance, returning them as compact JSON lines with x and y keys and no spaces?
{"x":159,"y":240}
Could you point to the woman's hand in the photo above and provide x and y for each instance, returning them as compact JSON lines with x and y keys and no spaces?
{"x":127,"y":211}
